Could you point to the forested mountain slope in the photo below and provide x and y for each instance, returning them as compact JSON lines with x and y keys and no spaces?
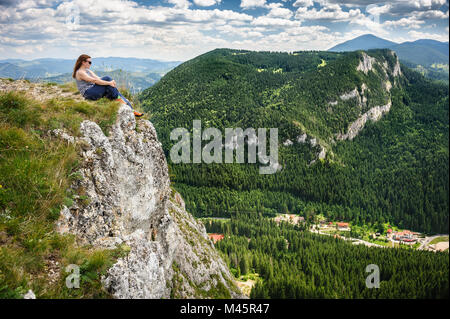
{"x":360,"y":138}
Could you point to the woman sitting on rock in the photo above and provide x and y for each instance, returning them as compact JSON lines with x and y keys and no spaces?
{"x":92,"y":87}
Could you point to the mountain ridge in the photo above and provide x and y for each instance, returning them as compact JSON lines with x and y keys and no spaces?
{"x":310,"y":97}
{"x":422,"y":51}
{"x":361,"y":43}
{"x":138,"y":73}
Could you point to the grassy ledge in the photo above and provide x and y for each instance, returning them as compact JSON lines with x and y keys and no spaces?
{"x":36,"y":171}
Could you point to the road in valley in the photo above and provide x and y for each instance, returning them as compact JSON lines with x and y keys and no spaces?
{"x":427,"y":240}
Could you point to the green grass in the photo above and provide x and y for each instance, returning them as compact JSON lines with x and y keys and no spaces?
{"x":21,"y":112}
{"x":381,"y":242}
{"x":322,"y":64}
{"x":35,"y":172}
{"x":251,"y":276}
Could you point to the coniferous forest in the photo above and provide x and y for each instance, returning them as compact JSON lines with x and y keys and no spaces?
{"x":294,"y":263}
{"x":396,"y":169}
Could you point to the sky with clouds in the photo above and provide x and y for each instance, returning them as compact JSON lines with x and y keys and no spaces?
{"x":182,"y":29}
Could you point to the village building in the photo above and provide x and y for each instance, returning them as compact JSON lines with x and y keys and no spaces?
{"x":343,"y":226}
{"x":216,"y":237}
{"x":290,"y":218}
{"x":405,"y":236}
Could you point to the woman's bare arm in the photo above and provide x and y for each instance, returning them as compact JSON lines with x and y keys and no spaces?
{"x":85,"y":77}
{"x":94,"y":75}
{"x":112,"y":83}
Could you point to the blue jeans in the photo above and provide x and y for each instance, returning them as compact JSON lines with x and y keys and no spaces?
{"x":98,"y":91}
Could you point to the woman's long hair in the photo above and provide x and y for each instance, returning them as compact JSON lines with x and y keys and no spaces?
{"x":80,"y":60}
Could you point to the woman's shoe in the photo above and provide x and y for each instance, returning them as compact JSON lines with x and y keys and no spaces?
{"x":138,"y":114}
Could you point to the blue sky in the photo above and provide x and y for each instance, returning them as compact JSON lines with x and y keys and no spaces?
{"x":183,"y":29}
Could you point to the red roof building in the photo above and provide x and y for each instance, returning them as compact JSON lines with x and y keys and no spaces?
{"x":216,"y":237}
{"x":405,"y":236}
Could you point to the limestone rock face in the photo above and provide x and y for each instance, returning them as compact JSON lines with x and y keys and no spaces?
{"x":125,"y":179}
{"x":397,"y":71}
{"x":374,"y":114}
{"x":366,"y":64}
{"x":302,"y":138}
{"x":350,"y":95}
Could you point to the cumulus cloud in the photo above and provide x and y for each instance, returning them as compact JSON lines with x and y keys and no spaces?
{"x":277,"y":11}
{"x":178,"y":30}
{"x":248,"y":4}
{"x":183,"y":4}
{"x":331,"y":12}
{"x":207,"y":3}
{"x":303,"y":3}
{"x":415,"y":35}
{"x":276,"y":22}
{"x":405,"y":7}
{"x":431,"y":14}
{"x":416,"y":3}
{"x":378,"y":10}
{"x":410,"y":23}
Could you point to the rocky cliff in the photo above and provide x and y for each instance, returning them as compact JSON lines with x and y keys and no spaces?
{"x":361,"y":95}
{"x":385,"y":72}
{"x":127,"y":200}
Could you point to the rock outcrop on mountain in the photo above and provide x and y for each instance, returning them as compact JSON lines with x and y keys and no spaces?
{"x":128,"y":201}
{"x":375,"y":113}
{"x":366,"y":64}
{"x":361,"y":95}
{"x":313,"y":143}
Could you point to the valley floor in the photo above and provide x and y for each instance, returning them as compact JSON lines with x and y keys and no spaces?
{"x":369,"y":237}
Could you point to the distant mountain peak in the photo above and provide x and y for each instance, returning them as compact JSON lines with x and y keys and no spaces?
{"x":423,"y":51}
{"x":363,"y":42}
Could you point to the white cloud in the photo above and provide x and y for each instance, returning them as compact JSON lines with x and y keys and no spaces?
{"x":431,"y":14}
{"x":267,"y":21}
{"x":247,"y":4}
{"x":34,"y":28}
{"x":410,"y":23}
{"x":206,"y":3}
{"x":303,"y":3}
{"x":331,"y":12}
{"x":232,"y":15}
{"x":378,"y":10}
{"x":415,"y":35}
{"x":243,"y":32}
{"x":182,"y":4}
{"x":277,"y":11}
{"x":405,"y":7}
